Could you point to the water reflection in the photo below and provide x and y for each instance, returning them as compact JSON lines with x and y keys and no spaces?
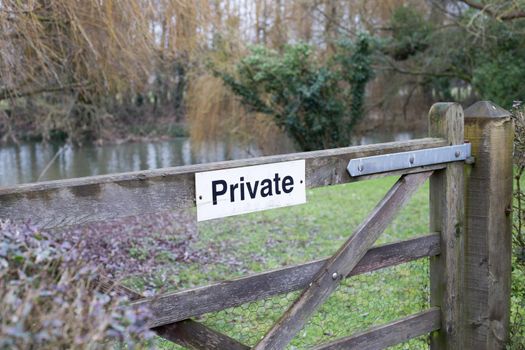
{"x":25,"y":163}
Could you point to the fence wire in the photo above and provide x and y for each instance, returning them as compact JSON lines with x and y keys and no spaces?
{"x":359,"y":303}
{"x":262,"y":241}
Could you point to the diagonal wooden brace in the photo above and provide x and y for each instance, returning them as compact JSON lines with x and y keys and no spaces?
{"x":341,"y":263}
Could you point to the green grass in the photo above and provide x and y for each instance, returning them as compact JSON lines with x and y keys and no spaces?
{"x":260,"y":241}
{"x":257,"y":242}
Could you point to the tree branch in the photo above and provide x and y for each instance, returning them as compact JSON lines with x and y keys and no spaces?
{"x":426,"y":73}
{"x":15,"y":93}
{"x":486,"y":9}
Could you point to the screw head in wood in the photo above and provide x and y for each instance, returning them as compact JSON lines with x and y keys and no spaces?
{"x":470,"y":160}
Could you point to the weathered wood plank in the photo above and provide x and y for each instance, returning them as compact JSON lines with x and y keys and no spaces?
{"x":77,"y":201}
{"x":195,"y":335}
{"x":176,"y":306}
{"x":389,"y":334}
{"x":341,"y":264}
{"x":486,"y":287}
{"x":187,"y":333}
{"x":447,"y":217}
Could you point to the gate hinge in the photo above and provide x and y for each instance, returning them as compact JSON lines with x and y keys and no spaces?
{"x":406,"y":160}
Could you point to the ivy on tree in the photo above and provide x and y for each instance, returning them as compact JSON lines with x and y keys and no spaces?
{"x":316,"y":104}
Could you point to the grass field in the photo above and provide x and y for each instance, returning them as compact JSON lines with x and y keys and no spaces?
{"x":257,"y":242}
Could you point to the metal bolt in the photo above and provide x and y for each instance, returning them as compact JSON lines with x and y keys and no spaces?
{"x":411,"y":159}
{"x":457,"y":154}
{"x":334,"y":276}
{"x":360,"y":167}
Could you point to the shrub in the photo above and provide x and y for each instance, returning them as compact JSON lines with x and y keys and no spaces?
{"x":316,"y":104}
{"x":518,"y":234}
{"x":50,"y":298}
{"x":519,"y":193}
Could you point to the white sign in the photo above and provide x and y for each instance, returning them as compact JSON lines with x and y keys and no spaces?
{"x":235,"y":191}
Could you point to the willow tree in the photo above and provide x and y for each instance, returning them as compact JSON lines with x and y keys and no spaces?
{"x":78,"y":50}
{"x":89,"y":46}
{"x":71,"y":56}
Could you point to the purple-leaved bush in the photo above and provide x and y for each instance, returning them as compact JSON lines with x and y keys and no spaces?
{"x":50,"y":298}
{"x":133,"y":245}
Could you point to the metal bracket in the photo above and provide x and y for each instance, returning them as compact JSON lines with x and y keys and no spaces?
{"x":407,"y":160}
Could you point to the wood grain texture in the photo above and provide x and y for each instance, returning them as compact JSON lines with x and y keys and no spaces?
{"x":187,"y":333}
{"x":176,"y":306}
{"x":390,"y":334}
{"x":341,"y":264}
{"x":489,"y":238}
{"x":77,"y":201}
{"x":195,"y":335}
{"x":447,"y":217}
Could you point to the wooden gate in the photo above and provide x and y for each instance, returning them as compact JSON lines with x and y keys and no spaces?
{"x":469,"y":245}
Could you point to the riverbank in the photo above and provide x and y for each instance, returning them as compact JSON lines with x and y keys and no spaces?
{"x":147,"y":126}
{"x":109,"y":130}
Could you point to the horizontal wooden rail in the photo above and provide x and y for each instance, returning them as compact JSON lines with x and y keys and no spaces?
{"x":195,"y":335}
{"x":77,"y":201}
{"x":177,"y":306}
{"x":187,"y":333}
{"x":390,"y":334}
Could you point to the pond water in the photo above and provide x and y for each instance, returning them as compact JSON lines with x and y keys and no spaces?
{"x":32,"y":161}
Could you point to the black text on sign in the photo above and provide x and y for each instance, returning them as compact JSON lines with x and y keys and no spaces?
{"x":235,"y":191}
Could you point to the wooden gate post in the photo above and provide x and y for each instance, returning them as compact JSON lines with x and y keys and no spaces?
{"x":488,"y":244}
{"x":447,"y":217}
